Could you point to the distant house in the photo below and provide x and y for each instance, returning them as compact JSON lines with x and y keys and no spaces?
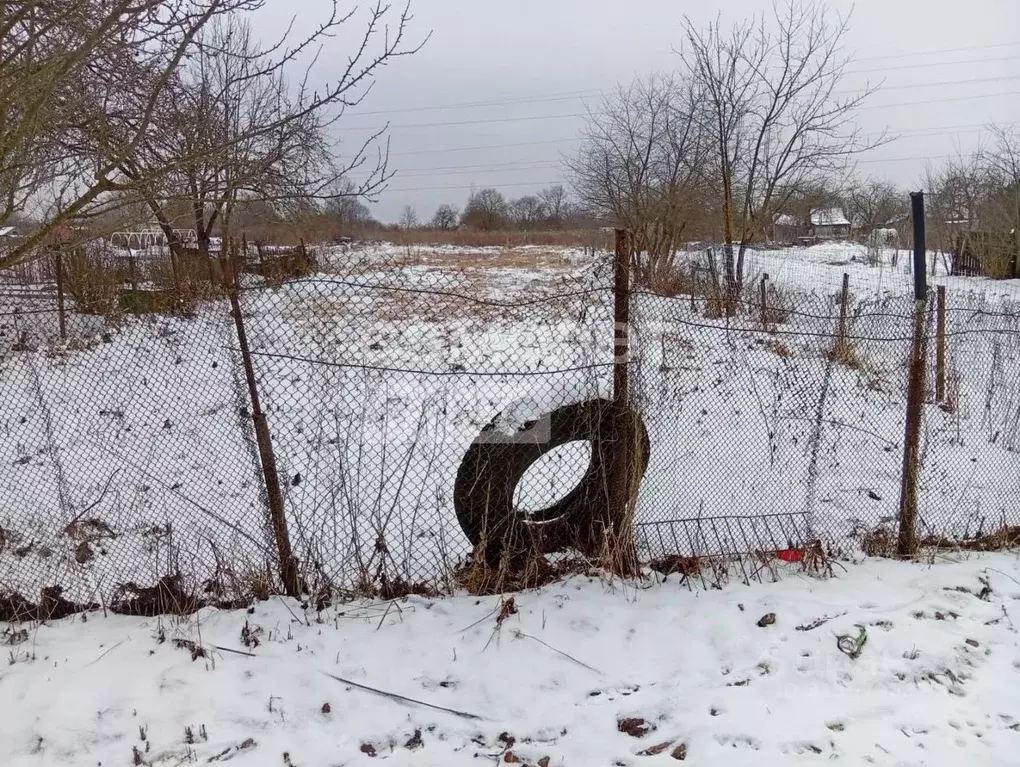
{"x":786,"y":229}
{"x":8,"y":233}
{"x":829,"y":224}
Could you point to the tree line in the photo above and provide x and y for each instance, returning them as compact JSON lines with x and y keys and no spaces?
{"x":488,"y":210}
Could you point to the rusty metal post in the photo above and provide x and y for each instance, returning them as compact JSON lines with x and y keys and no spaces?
{"x":940,"y":340}
{"x":764,"y":300}
{"x":907,"y":543}
{"x":844,"y":300}
{"x":61,"y":315}
{"x":274,"y":494}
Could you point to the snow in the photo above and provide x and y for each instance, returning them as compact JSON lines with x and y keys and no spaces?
{"x":935,"y":683}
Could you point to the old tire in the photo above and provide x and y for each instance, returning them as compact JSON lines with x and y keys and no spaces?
{"x":495,"y":463}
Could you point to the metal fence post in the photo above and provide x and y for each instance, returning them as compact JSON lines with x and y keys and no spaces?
{"x":844,"y":300}
{"x":940,"y":340}
{"x":61,"y":316}
{"x":907,"y":543}
{"x":764,"y":300}
{"x":274,"y":494}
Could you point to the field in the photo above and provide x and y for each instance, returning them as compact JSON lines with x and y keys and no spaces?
{"x":127,"y":454}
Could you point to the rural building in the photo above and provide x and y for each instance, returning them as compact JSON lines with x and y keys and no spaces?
{"x":829,"y":224}
{"x":786,"y":229}
{"x":981,"y":252}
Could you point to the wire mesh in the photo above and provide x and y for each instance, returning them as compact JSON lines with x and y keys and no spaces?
{"x":775,"y":415}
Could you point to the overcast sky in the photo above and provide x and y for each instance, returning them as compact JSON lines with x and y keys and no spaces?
{"x":550,"y":59}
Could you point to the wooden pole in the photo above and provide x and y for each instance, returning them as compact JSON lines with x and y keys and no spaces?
{"x":764,"y":300}
{"x":940,"y":340}
{"x":61,"y":316}
{"x":621,"y":319}
{"x":274,"y":494}
{"x":906,"y":546}
{"x":620,"y":554}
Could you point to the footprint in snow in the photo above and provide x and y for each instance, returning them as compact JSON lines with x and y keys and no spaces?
{"x":739,"y":741}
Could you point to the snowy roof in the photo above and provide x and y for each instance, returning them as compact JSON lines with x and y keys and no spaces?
{"x":785,"y":219}
{"x":828,"y":217}
{"x":8,"y":231}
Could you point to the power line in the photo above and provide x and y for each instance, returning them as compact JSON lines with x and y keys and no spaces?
{"x":942,"y":100}
{"x":934,"y":130}
{"x":549,"y":165}
{"x":930,"y":64}
{"x":487,"y":146}
{"x":504,"y":167}
{"x":940,"y":51}
{"x":533,"y":184}
{"x":571,"y":95}
{"x":575,"y":115}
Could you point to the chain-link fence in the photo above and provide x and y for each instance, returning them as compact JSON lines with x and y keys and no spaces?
{"x":775,"y":413}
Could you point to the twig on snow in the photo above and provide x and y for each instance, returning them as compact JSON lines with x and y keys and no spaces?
{"x":519,"y":634}
{"x":402,"y":698}
{"x":236,"y":652}
{"x":1004,"y":575}
{"x":387,"y":612}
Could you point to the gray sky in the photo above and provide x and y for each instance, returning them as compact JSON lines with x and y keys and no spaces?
{"x":552,"y":57}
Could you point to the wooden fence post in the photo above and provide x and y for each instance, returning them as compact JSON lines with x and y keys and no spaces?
{"x":940,"y":340}
{"x":764,"y":300}
{"x":274,"y":495}
{"x":906,"y":545}
{"x":621,"y":556}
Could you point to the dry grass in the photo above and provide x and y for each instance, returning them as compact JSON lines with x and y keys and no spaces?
{"x":779,"y":348}
{"x":480,"y":578}
{"x":845,"y":353}
{"x":506,"y":239}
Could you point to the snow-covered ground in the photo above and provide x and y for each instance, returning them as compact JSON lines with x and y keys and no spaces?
{"x":690,"y":673}
{"x":377,"y":373}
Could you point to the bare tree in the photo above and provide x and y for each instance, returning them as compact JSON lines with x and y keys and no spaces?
{"x":774,"y":113}
{"x":640,"y":166}
{"x":974,"y":206}
{"x":345,"y":210}
{"x":236,"y":129}
{"x":80,"y":83}
{"x":526,"y":212}
{"x":408,"y":218}
{"x":486,"y":210}
{"x":445,"y":218}
{"x":1001,"y":162}
{"x":554,"y":200}
{"x":874,"y":204}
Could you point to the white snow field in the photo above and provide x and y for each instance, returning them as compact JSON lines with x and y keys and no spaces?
{"x":936,"y":682}
{"x":374,"y":394}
